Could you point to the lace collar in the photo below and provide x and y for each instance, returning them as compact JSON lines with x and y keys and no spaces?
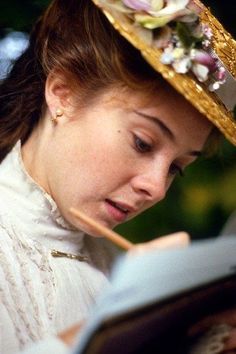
{"x":33,"y":209}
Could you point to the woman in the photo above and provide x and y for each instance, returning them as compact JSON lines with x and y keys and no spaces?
{"x":85,"y":123}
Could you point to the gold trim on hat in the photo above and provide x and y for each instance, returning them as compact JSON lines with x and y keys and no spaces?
{"x":197,"y":93}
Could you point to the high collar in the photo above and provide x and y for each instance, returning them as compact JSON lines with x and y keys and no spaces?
{"x":32,"y":209}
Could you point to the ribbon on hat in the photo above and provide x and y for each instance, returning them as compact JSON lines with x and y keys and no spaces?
{"x":227,"y":92}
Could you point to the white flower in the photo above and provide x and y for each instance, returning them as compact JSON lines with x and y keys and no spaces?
{"x":186,"y":42}
{"x":178,"y":53}
{"x":182,"y":65}
{"x":167,"y":58}
{"x":200,"y":71}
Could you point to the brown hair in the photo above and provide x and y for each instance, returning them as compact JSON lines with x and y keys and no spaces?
{"x":74,"y":37}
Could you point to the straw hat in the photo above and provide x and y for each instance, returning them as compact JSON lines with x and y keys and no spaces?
{"x":188,"y":46}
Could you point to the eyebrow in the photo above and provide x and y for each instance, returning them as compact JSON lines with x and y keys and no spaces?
{"x":166,"y":130}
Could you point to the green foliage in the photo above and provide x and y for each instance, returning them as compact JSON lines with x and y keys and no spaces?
{"x":185,"y":35}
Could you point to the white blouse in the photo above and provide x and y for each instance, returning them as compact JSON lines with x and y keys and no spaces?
{"x":41,"y":295}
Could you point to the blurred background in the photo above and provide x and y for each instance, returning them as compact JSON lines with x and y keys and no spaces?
{"x":202,"y":200}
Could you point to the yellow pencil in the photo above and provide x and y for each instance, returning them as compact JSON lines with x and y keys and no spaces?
{"x":102,"y":230}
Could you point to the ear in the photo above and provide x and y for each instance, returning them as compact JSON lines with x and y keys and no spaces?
{"x":57,"y":93}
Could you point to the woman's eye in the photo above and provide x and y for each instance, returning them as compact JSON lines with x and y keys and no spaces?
{"x":141,"y":145}
{"x":175,"y":169}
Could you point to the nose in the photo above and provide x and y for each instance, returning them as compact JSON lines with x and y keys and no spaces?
{"x":152,"y":186}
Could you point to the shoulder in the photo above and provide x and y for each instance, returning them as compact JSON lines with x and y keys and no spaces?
{"x":11,"y":247}
{"x":15,"y":249}
{"x":9,"y":231}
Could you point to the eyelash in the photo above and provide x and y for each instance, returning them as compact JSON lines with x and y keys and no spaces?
{"x":174,"y":169}
{"x":143,"y":147}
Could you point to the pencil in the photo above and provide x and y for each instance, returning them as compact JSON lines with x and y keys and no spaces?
{"x":102,"y":230}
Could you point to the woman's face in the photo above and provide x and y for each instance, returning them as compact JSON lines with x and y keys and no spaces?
{"x":118,"y":157}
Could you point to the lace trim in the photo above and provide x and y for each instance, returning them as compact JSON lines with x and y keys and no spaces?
{"x":28,"y":324}
{"x":53,"y":207}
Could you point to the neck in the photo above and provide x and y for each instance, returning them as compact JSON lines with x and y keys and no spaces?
{"x":34,"y":153}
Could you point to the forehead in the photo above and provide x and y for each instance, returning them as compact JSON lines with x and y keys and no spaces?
{"x":166,"y":105}
{"x":164,"y":101}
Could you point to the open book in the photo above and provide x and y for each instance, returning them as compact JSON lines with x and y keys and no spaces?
{"x":155,"y":297}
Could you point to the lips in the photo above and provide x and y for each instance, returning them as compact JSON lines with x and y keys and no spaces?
{"x":118,"y":206}
{"x":118,"y":211}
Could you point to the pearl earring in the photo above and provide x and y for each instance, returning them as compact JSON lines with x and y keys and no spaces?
{"x":59,"y":113}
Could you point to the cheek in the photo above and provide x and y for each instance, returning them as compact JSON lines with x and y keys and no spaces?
{"x":91,"y":166}
{"x":90,"y":173}
{"x":105,"y":155}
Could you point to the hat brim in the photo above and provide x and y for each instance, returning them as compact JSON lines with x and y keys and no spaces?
{"x":206,"y":102}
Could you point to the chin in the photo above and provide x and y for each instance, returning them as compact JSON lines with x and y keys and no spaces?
{"x":80,"y":226}
{"x":86,"y":228}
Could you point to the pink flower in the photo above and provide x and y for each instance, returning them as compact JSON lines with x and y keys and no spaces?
{"x":221,"y":74}
{"x":204,"y":58}
{"x":207,"y":31}
{"x":186,"y":42}
{"x":140,"y":5}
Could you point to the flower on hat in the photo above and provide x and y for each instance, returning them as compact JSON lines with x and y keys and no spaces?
{"x":157,"y":13}
{"x":174,"y":27}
